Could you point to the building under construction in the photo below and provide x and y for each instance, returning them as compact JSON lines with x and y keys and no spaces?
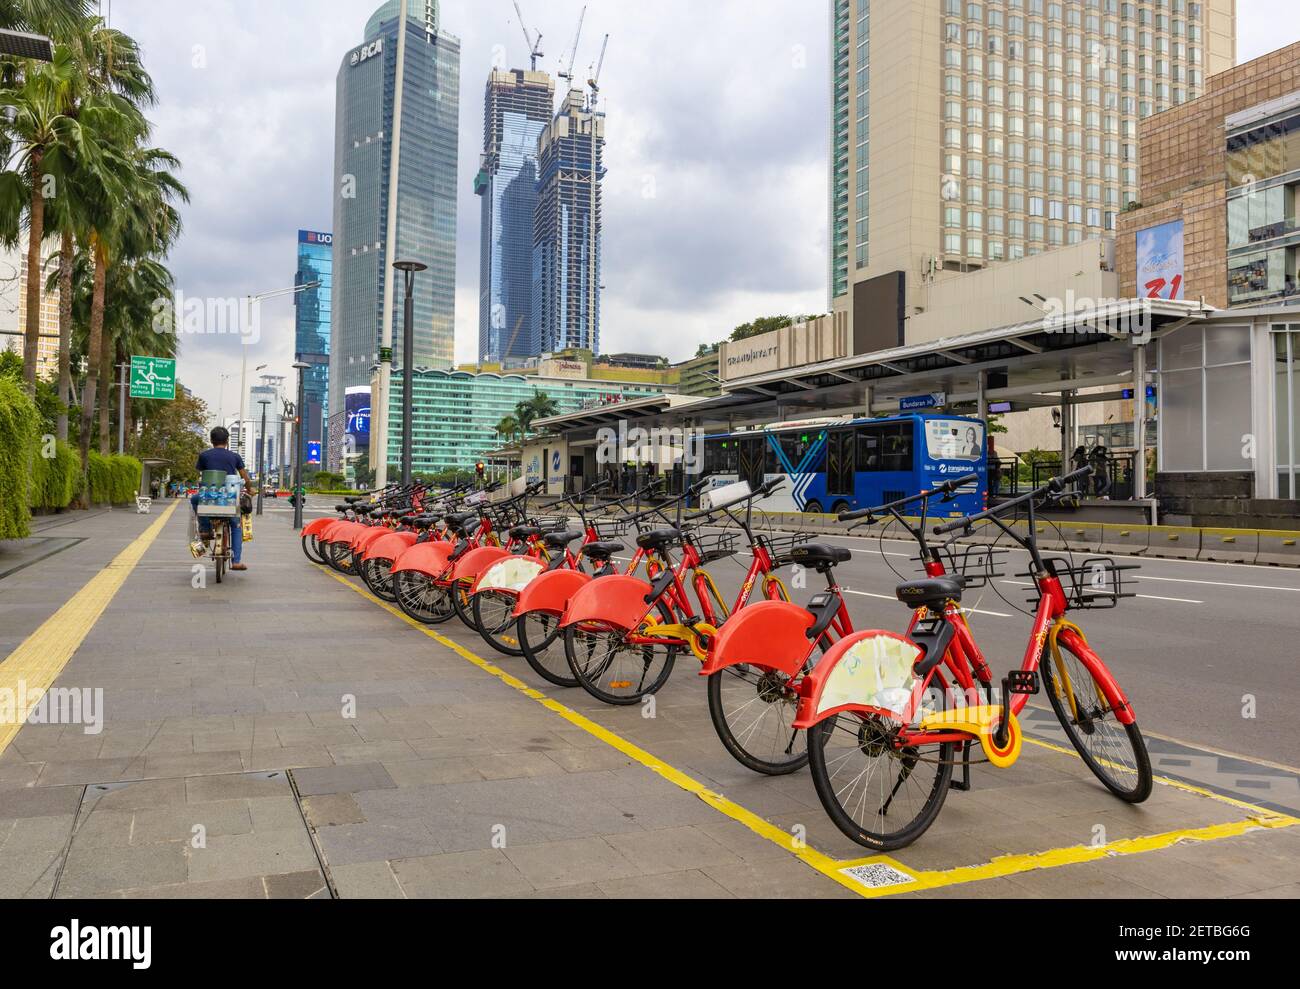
{"x":567,"y":231}
{"x":517,"y":106}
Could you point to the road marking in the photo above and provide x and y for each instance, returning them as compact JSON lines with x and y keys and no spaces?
{"x":1220,"y":583}
{"x":1001,"y":866}
{"x":41,"y":657}
{"x":892,"y":597}
{"x":1157,"y":597}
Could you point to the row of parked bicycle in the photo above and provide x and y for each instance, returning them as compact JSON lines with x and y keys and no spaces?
{"x":881,"y":718}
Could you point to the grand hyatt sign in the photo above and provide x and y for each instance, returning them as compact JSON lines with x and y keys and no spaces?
{"x":822,"y":339}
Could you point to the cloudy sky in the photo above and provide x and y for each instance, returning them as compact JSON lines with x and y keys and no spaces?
{"x":715,"y":198}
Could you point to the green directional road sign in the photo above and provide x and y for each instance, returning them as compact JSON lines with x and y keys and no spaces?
{"x":153,"y":377}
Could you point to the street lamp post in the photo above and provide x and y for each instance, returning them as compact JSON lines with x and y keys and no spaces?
{"x":408,"y":270}
{"x":300,"y":367}
{"x":261,"y":456}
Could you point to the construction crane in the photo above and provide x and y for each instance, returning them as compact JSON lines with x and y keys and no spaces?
{"x":534,"y":44}
{"x":593,"y":80}
{"x":567,"y":75}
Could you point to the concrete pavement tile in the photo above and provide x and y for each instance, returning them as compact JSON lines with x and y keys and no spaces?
{"x":94,"y":869}
{"x":82,"y":771}
{"x":1289,"y":892}
{"x":690,"y":885}
{"x":585,"y":891}
{"x":327,"y":809}
{"x":743,"y":842}
{"x":672,"y":850}
{"x":251,"y":888}
{"x":348,"y":844}
{"x":177,"y":822}
{"x":136,"y":795}
{"x":223,"y":742}
{"x":587,"y":760}
{"x":483,"y":873}
{"x":366,"y":881}
{"x":257,"y":854}
{"x":1085,"y":881}
{"x":351,"y":778}
{"x":236,"y":786}
{"x":285,"y":757}
{"x":367,"y":752}
{"x":197,"y":764}
{"x":453,"y":745}
{"x":40,"y":801}
{"x":424,"y":772}
{"x":341,"y":735}
{"x":19,"y":774}
{"x":565,"y":863}
{"x":275,"y":813}
{"x":1158,"y":873}
{"x":515,"y":765}
{"x":776,"y":879}
{"x":306,"y":885}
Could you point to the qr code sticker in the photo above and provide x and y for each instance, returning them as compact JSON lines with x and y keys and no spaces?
{"x":878,"y":875}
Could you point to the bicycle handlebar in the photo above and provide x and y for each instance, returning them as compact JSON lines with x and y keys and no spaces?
{"x":1053,"y":487}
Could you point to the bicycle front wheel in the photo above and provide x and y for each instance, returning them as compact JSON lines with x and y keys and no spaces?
{"x":377,"y":573}
{"x":541,"y":639}
{"x":421,"y":598}
{"x":494,"y":615}
{"x":880,"y":796}
{"x":1116,"y":753}
{"x":613,"y":670}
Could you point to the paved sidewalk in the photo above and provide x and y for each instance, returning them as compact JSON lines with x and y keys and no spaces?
{"x":283,"y":735}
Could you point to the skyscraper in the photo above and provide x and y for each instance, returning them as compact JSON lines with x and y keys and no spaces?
{"x":567,"y":230}
{"x":516,"y":109}
{"x":312,"y":327}
{"x":969,"y":132}
{"x":422,"y":194}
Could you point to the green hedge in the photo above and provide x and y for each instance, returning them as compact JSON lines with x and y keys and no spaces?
{"x":19,"y":424}
{"x":114,"y":479}
{"x":56,"y":480}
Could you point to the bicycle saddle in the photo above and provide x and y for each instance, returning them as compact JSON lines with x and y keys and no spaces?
{"x":457,"y":520}
{"x":522,"y":532}
{"x":602,"y":550}
{"x":659,"y":538}
{"x":558,"y":540}
{"x":933,"y":592}
{"x":820,"y":554}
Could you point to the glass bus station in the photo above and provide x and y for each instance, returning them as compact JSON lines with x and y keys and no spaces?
{"x":1217,"y":413}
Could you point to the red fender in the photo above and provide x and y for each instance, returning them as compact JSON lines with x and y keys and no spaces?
{"x":429,"y":559}
{"x":317,"y":526}
{"x":550,"y":592}
{"x":769,"y":634}
{"x":1115,"y":697}
{"x":473,"y":563}
{"x":368,"y":535}
{"x":617,"y":600}
{"x":853,"y":672}
{"x":339,"y":531}
{"x":389,"y":546}
{"x":509,"y":575}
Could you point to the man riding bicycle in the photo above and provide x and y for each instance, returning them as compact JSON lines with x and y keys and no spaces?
{"x":223,"y":459}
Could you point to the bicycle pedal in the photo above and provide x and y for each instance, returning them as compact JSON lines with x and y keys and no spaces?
{"x":1023,"y":681}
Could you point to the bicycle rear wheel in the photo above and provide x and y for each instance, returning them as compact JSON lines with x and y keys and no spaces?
{"x":459,"y":596}
{"x":421,"y":598}
{"x":377,"y":573}
{"x":542,"y":642}
{"x":1116,"y":753}
{"x":494,"y":616}
{"x":613,"y":670}
{"x":311,"y":548}
{"x":879,"y":796}
{"x":752,"y":710}
{"x":339,"y":555}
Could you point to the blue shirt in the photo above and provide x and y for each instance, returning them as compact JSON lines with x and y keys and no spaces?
{"x":221,"y":458}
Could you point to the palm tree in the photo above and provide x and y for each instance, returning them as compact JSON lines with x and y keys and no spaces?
{"x":43,"y":141}
{"x":53,"y":16}
{"x":539,"y":406}
{"x":508,"y":427}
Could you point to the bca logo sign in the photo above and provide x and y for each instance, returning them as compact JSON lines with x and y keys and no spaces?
{"x":367,"y":51}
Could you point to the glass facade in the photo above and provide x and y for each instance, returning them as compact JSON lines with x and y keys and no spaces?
{"x":1205,"y":398}
{"x":841,"y":21}
{"x":426,"y":193}
{"x":1286,"y":406}
{"x":567,"y":229}
{"x":312,"y":327}
{"x":516,"y":109}
{"x":456,"y":412}
{"x":1263,"y":231}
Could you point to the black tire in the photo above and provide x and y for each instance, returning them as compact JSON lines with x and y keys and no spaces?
{"x":420,"y":598}
{"x":462,"y":603}
{"x":813,"y":507}
{"x":1116,"y":753}
{"x":498,"y":628}
{"x":339,"y":555}
{"x":828,"y":755}
{"x":765,"y":706}
{"x":312,"y":549}
{"x":590,"y":667}
{"x":839,"y":506}
{"x":377,"y":573}
{"x":542,"y":641}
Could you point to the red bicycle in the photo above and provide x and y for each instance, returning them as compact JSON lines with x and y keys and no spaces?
{"x":886,"y":713}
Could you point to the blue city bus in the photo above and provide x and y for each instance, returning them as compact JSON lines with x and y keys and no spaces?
{"x":836,"y":465}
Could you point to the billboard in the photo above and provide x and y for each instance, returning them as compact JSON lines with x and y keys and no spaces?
{"x":356,"y":404}
{"x":315,"y":237}
{"x":313,"y":454}
{"x":1160,"y":272}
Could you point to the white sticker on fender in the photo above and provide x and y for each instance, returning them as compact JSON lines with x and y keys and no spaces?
{"x":511,"y":574}
{"x":875,"y":671}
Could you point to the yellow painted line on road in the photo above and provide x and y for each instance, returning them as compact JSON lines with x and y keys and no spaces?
{"x":1000,"y":867}
{"x":29,"y":670}
{"x":824,"y":864}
